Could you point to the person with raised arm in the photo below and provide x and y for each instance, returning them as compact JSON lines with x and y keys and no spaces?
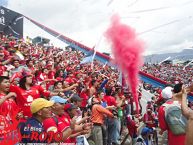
{"x":188,"y":113}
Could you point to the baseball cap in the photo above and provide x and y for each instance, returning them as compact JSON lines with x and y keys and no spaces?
{"x":39,"y":104}
{"x":129,"y":117}
{"x":145,"y":131}
{"x":48,"y":65}
{"x":69,"y":106}
{"x":58,"y":99}
{"x":167,"y":93}
{"x":75,"y":98}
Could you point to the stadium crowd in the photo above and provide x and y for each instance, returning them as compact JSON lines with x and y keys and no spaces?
{"x":171,"y":73}
{"x":47,"y":95}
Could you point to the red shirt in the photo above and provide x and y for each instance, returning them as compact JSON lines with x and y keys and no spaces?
{"x":63,"y":123}
{"x":84,"y":97}
{"x":160,"y":99}
{"x":2,"y":69}
{"x":66,"y":120}
{"x":51,"y":125}
{"x":12,"y":43}
{"x":8,"y":112}
{"x":42,"y":76}
{"x":32,"y":69}
{"x":25,"y":97}
{"x":172,"y":139}
{"x":60,"y":78}
{"x":51,"y":74}
{"x":69,"y":80}
{"x":8,"y":108}
{"x":110,"y":100}
{"x":149,"y":117}
{"x":132,"y":127}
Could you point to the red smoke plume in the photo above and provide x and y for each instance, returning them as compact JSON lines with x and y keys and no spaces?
{"x":127,"y":50}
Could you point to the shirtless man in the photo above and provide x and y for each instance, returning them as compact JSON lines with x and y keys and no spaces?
{"x":188,"y":113}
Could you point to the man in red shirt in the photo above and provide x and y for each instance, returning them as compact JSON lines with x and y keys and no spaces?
{"x":177,"y":98}
{"x":149,"y":118}
{"x":3,"y":62}
{"x":113,"y":123}
{"x":8,"y":111}
{"x":132,"y":127}
{"x":61,"y":121}
{"x":188,"y":113}
{"x":30,"y":66}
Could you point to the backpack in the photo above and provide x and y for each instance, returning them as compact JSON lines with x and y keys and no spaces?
{"x":174,"y":118}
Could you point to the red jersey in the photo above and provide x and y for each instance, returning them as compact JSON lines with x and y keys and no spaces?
{"x":51,"y":74}
{"x":149,"y":117}
{"x":8,"y":112}
{"x":172,"y":139}
{"x":63,"y":123}
{"x":25,"y":97}
{"x":69,"y":80}
{"x":8,"y":108}
{"x":84,"y":97}
{"x":50,"y":124}
{"x":2,"y":69}
{"x":32,"y":69}
{"x":60,"y":78}
{"x":42,"y":76}
{"x":132,"y":127}
{"x":66,"y":120}
{"x":110,"y":100}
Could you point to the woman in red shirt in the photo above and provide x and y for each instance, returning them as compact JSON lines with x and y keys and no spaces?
{"x":26,"y":93}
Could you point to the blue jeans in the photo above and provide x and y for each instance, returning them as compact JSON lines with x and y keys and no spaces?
{"x":114,"y":127}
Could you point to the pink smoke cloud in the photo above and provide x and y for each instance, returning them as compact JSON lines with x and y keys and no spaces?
{"x":127,"y":50}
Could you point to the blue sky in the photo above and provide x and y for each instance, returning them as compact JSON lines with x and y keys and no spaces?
{"x":3,"y":2}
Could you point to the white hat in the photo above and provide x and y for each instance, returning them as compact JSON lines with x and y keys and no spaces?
{"x":167,"y":93}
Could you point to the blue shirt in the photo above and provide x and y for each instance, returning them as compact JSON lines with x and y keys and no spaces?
{"x":29,"y":129}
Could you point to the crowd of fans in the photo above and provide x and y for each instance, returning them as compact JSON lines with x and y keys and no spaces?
{"x":171,"y":73}
{"x":33,"y":76}
{"x":47,"y":95}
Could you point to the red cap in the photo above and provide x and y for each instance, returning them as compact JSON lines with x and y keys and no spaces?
{"x":48,"y":65}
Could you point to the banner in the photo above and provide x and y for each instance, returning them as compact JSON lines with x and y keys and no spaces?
{"x":11,"y":22}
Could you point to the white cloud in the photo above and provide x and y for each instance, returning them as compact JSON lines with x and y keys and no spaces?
{"x":86,"y":20}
